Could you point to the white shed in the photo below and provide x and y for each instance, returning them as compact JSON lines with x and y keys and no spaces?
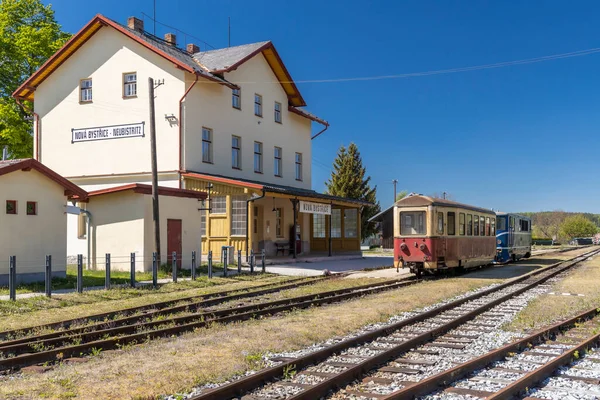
{"x":33,"y":223}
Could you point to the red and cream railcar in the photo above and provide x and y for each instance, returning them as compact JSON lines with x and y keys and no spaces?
{"x":432,"y":234}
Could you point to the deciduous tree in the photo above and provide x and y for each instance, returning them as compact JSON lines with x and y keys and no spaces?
{"x":401,"y":195}
{"x":349,"y":179}
{"x":29,"y":35}
{"x":577,"y":226}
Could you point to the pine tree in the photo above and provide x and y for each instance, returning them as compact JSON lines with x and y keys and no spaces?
{"x":349,"y":179}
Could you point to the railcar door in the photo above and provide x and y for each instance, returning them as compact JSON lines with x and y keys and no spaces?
{"x":511,"y":234}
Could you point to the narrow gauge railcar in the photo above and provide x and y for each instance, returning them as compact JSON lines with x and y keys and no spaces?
{"x":432,"y":234}
{"x":513,"y":237}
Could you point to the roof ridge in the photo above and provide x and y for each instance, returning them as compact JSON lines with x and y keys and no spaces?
{"x":262,"y":43}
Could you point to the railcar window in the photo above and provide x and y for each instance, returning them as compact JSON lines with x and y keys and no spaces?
{"x":413,"y":223}
{"x":476,"y":225}
{"x":501,"y":222}
{"x":493,"y":226}
{"x":519,"y":224}
{"x":441,"y":223}
{"x":524,"y":225}
{"x":487,"y":226}
{"x":451,"y":223}
{"x":461,"y":224}
{"x":469,"y":225}
{"x":482,"y":225}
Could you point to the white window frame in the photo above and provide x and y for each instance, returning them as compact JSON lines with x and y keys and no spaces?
{"x":277,"y":162}
{"x":298,"y":164}
{"x":236,"y":98}
{"x":129,"y":85}
{"x":277,"y":112}
{"x":207,"y":149}
{"x":258,"y":156}
{"x":238,"y":215}
{"x":351,"y":227}
{"x":236,"y":152}
{"x":85,"y":90}
{"x":258,"y":105}
{"x":218,"y":205}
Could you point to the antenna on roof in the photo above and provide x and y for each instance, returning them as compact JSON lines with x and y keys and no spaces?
{"x":154,"y":17}
{"x":229,"y":32}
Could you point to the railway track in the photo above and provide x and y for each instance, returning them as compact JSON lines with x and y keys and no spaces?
{"x":409,"y":350}
{"x":167,"y":307}
{"x":135,"y":329}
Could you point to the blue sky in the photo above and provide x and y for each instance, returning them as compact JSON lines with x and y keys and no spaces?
{"x":518,"y":138}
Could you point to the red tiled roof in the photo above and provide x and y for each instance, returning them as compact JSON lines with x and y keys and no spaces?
{"x":147,"y":189}
{"x":27,"y":164}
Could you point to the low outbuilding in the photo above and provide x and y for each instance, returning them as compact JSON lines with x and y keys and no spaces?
{"x":33,"y":223}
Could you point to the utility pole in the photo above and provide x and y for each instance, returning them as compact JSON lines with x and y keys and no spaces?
{"x":155,"y":209}
{"x":395,"y":182}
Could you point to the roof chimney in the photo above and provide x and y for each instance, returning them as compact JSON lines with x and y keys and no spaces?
{"x":192,"y":48}
{"x":135,"y":24}
{"x":171,"y":39}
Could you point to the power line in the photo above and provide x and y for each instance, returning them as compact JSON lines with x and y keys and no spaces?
{"x":578,"y":53}
{"x":177,"y":30}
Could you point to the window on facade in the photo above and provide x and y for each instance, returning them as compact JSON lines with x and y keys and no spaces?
{"x":277,"y":112}
{"x":236,"y":152}
{"x":238,"y":216}
{"x":218,"y":205}
{"x":279,"y":222}
{"x":476,"y":225}
{"x":85,"y":90}
{"x":298,"y":166}
{"x":336,"y":223}
{"x":493,"y":226}
{"x":277,"y":167}
{"x":31,"y":208}
{"x":318,"y":225}
{"x":203,"y":223}
{"x":207,"y":155}
{"x":236,"y":101}
{"x":461,"y":224}
{"x":130,"y":84}
{"x":451,"y":223}
{"x":350,"y":223}
{"x":487,"y":226}
{"x":440,"y":223}
{"x":258,"y":105}
{"x":482,"y":225}
{"x":258,"y":157}
{"x":469,"y":225}
{"x":11,"y":206}
{"x":413,"y":223}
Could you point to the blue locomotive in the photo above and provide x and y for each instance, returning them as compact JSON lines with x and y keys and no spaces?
{"x":513,"y":237}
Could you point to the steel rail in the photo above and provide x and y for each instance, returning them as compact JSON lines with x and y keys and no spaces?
{"x":444,"y":379}
{"x":206,"y":300}
{"x":188,"y":323}
{"x":248,"y":383}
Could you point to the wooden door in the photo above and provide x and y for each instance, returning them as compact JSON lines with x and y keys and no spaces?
{"x":174,"y":240}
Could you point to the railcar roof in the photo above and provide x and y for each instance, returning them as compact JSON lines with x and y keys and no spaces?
{"x":420,"y":200}
{"x":513,"y":214}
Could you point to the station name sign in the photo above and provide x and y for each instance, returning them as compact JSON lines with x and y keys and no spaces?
{"x":107,"y":132}
{"x":315,"y":208}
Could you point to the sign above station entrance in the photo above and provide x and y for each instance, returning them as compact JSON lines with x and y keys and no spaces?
{"x":315,"y":208}
{"x":107,"y":132}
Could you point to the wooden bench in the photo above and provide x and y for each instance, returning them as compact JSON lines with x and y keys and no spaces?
{"x":282,"y":247}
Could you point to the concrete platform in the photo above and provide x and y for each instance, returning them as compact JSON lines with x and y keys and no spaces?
{"x":315,"y":268}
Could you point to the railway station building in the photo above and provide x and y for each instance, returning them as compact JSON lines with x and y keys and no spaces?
{"x":230,"y":123}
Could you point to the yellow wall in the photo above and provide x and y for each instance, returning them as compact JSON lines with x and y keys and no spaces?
{"x":32,"y":237}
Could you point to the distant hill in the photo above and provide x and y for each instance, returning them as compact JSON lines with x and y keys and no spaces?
{"x":546,"y":224}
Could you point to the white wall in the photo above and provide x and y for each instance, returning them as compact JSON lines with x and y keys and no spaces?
{"x":32,"y":237}
{"x":183,"y":208}
{"x":105,"y":57}
{"x":209,"y":105}
{"x":117,"y":228}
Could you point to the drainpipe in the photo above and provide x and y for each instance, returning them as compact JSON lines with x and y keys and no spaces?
{"x":324,"y":129}
{"x":36,"y":121}
{"x":250,"y":200}
{"x":181,"y":127}
{"x":88,"y":216}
